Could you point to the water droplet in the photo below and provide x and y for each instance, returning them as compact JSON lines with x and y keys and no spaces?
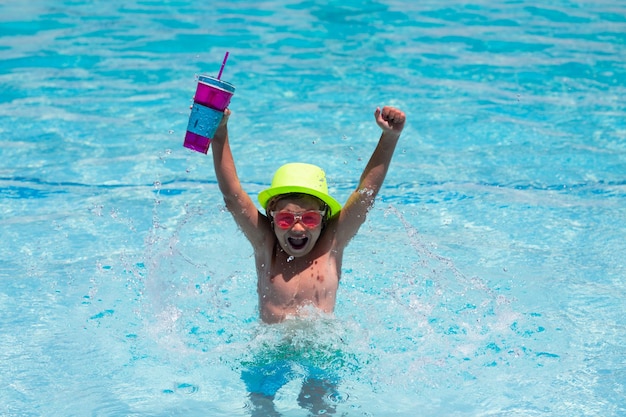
{"x":291,"y":258}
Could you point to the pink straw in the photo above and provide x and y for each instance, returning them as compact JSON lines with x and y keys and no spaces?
{"x":222,"y":68}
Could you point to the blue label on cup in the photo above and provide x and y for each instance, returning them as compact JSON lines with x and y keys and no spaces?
{"x":204,"y":120}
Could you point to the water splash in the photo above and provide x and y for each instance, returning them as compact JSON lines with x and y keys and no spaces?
{"x":432,"y":319}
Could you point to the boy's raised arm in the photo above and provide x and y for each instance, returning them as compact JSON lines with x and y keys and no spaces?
{"x":352,"y":216}
{"x":238,"y":202}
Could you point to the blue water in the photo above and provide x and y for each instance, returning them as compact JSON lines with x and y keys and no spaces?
{"x":488,"y":280}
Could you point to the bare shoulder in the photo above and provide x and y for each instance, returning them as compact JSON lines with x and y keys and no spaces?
{"x":330,"y":240}
{"x":261,"y":235}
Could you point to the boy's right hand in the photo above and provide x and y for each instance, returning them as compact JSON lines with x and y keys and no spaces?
{"x":225,"y":117}
{"x":222,"y":127}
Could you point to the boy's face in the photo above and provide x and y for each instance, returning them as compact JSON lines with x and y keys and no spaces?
{"x":295,"y":223}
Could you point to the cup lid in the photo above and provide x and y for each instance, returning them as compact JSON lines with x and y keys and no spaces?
{"x":214,"y":82}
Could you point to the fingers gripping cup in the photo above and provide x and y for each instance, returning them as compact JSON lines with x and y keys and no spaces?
{"x":212,"y":98}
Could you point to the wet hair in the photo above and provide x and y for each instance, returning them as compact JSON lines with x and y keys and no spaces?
{"x":295,"y":196}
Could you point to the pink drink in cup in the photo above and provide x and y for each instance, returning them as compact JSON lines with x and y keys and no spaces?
{"x":212,"y":98}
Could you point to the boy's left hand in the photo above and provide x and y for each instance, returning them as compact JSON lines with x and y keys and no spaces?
{"x":390,"y":119}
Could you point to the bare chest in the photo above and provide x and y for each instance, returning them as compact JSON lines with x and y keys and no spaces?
{"x":291,"y":282}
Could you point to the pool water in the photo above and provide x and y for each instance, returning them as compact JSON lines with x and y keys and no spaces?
{"x":488,"y":280}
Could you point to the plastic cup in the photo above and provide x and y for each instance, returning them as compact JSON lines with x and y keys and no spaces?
{"x":211,"y":99}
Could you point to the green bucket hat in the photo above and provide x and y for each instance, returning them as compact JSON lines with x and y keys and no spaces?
{"x":300,"y":178}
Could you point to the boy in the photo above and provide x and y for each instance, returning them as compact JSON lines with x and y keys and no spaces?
{"x":299,"y":243}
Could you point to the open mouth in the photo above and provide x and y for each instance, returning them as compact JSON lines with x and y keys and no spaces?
{"x":298,"y":243}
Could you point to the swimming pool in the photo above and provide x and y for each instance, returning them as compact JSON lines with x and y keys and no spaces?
{"x":487,"y":281}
